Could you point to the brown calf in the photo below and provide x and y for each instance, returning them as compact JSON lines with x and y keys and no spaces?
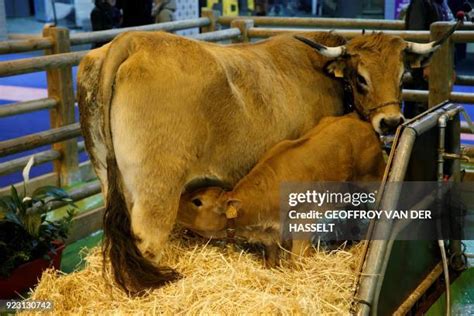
{"x":338,"y":149}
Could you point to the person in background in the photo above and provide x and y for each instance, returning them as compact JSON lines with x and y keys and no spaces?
{"x":135,"y":12}
{"x":421,"y":13}
{"x":419,"y":16}
{"x":105,"y":16}
{"x":163,"y":10}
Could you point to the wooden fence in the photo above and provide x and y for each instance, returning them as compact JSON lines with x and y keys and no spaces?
{"x":59,"y":60}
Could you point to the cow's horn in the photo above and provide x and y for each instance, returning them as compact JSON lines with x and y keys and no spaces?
{"x":424,"y":49}
{"x":331,"y":52}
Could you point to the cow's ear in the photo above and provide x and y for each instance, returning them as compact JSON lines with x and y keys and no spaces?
{"x":336,"y":68}
{"x":417,"y":61}
{"x":232,"y":208}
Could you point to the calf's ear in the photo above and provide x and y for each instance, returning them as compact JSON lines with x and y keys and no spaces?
{"x":232,"y":208}
{"x":336,"y":68}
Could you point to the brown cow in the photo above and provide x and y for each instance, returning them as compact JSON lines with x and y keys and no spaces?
{"x":159,"y":112}
{"x":338,"y":149}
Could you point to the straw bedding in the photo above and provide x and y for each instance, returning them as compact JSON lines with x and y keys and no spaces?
{"x":215,"y":281}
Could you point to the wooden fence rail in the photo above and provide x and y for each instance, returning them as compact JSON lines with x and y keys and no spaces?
{"x":34,"y":64}
{"x":105,"y":36}
{"x":218,"y":35}
{"x":18,"y":164}
{"x":316,"y":22}
{"x":46,"y":42}
{"x":260,"y":32}
{"x":465,"y":80}
{"x":27,"y":45}
{"x":51,"y":136}
{"x":326,"y":22}
{"x":27,"y":106}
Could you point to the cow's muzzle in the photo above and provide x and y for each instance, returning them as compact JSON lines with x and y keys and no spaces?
{"x":386,"y":124}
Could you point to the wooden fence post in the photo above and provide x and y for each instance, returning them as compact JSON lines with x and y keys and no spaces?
{"x":212,"y":15}
{"x":441,"y":76}
{"x":243,"y":25}
{"x":60,"y":87}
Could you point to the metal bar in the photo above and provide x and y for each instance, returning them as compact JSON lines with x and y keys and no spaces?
{"x":22,"y":66}
{"x":105,"y":36}
{"x":31,"y":141}
{"x":217,"y":35}
{"x":378,"y":248}
{"x":321,"y":22}
{"x":420,"y":36}
{"x":27,"y":106}
{"x":24,"y":45}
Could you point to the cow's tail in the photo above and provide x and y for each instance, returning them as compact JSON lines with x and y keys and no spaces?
{"x":131,"y":270}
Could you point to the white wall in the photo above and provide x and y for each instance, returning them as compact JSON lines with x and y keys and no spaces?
{"x":187,"y":9}
{"x":83,"y":12}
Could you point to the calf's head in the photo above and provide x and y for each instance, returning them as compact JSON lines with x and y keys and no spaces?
{"x":373,"y":66}
{"x":204,"y":210}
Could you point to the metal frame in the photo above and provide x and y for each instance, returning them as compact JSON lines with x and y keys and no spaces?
{"x":379,"y":251}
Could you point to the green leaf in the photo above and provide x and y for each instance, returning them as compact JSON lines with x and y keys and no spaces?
{"x":7,"y":204}
{"x":16,"y":198}
{"x":51,"y":191}
{"x":13,"y":218}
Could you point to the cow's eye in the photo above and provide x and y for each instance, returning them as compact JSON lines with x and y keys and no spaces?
{"x":361,"y":80}
{"x":197,"y":202}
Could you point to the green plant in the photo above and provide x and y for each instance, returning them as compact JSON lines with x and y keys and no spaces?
{"x":25,"y":231}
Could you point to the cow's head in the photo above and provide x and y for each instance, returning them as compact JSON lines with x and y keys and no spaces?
{"x":373,"y":66}
{"x":204,"y":211}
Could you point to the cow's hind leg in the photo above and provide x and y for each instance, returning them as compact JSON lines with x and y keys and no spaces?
{"x":153,"y":216}
{"x":131,"y":240}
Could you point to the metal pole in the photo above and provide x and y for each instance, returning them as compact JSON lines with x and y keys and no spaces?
{"x":55,"y":17}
